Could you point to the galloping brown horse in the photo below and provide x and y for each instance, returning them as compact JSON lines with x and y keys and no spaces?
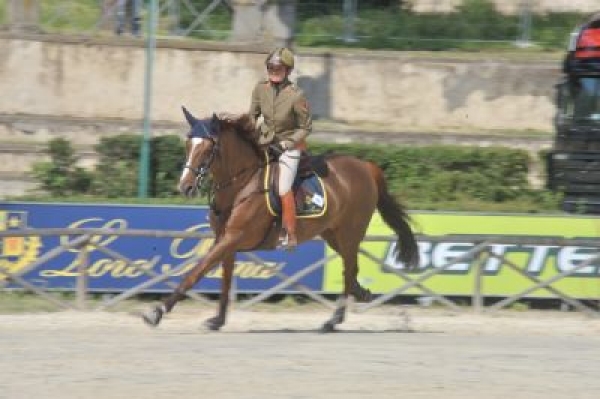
{"x":225,"y":148}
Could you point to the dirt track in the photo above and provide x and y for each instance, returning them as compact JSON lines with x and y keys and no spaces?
{"x":262,"y":354}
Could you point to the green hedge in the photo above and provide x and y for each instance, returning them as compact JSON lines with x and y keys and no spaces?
{"x":116,"y":173}
{"x":447,"y":173}
{"x":431,"y":177}
{"x":61,"y":176}
{"x":474,"y":25}
{"x":167,"y":160}
{"x":117,"y":170}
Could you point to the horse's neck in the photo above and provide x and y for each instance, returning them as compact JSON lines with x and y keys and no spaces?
{"x":235,"y":165}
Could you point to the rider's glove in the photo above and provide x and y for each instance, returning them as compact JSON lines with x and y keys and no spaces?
{"x":287,"y":145}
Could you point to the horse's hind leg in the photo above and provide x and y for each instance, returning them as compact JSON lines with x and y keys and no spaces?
{"x":347,"y":248}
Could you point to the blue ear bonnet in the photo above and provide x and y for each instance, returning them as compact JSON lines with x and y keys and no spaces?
{"x":205,"y":128}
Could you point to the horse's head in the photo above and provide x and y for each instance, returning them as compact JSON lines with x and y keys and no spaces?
{"x":224,"y":145}
{"x":200,"y":147}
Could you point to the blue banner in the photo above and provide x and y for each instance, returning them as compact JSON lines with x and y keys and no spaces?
{"x":107,"y":274}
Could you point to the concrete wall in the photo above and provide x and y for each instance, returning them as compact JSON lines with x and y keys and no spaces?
{"x":104,"y":78}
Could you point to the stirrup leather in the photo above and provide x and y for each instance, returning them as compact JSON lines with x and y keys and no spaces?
{"x":287,"y":243}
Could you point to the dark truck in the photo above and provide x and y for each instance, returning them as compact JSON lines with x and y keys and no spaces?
{"x":573,"y":164}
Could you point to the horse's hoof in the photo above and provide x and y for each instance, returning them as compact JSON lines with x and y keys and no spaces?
{"x":366,"y":296}
{"x":328,"y":327}
{"x":213,"y":324}
{"x":362,"y":294}
{"x":153,"y":317}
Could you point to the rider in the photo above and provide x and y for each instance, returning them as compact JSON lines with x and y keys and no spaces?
{"x":283,"y":117}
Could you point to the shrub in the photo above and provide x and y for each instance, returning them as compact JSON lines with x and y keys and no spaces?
{"x":443,"y":173}
{"x":167,"y":161}
{"x":116,"y":173}
{"x":431,"y":177}
{"x":61,"y":176}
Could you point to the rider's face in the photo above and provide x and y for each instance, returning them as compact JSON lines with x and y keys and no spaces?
{"x":277,"y":73}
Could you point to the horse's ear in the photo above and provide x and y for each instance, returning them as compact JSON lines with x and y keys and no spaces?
{"x":215,"y":124}
{"x":189,"y":117}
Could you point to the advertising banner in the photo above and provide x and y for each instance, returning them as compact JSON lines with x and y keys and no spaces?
{"x":541,"y":261}
{"x":110,"y":275}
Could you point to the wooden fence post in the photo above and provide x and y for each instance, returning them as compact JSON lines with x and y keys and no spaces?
{"x":82,"y":275}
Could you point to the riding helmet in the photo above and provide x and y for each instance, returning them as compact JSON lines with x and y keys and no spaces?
{"x":281,"y":56}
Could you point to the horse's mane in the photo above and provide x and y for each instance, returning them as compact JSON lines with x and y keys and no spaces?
{"x":243,"y":127}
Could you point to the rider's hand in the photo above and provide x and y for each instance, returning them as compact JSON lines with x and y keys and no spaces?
{"x":287,"y":145}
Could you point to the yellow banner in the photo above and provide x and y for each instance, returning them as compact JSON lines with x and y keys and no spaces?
{"x":541,"y":261}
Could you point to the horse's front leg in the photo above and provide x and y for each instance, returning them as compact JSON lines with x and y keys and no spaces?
{"x":338,"y":315}
{"x":223,"y":249}
{"x":214,"y":323}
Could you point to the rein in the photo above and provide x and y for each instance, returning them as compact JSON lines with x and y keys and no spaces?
{"x":241,"y":176}
{"x":220,"y":186}
{"x":204,"y":169}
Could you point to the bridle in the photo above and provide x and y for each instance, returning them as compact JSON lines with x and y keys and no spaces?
{"x":201,"y":172}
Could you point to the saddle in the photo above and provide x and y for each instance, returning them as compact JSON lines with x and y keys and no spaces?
{"x":309,"y":192}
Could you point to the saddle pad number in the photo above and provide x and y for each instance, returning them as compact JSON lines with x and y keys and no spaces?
{"x":318,"y":200}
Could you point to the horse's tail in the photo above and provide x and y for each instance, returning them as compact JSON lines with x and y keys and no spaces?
{"x":394,"y":215}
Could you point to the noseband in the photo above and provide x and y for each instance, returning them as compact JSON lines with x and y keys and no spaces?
{"x":202,"y":171}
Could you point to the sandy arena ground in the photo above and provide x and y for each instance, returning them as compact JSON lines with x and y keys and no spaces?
{"x":388,"y":352}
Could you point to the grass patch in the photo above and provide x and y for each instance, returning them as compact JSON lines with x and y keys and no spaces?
{"x":19,"y":301}
{"x":23,"y":302}
{"x":469,"y":205}
{"x":519,"y":306}
{"x":84,"y":199}
{"x":549,"y":204}
{"x":475,"y":25}
{"x":69,"y":15}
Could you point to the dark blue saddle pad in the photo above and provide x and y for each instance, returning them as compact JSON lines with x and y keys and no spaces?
{"x":309,"y":193}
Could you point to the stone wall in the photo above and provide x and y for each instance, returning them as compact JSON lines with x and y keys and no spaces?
{"x":82,"y":89}
{"x":403,"y":91}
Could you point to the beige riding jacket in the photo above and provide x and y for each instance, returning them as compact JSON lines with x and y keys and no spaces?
{"x":286,"y":113}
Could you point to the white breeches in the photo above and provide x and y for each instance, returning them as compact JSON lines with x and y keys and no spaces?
{"x":288,"y":166}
